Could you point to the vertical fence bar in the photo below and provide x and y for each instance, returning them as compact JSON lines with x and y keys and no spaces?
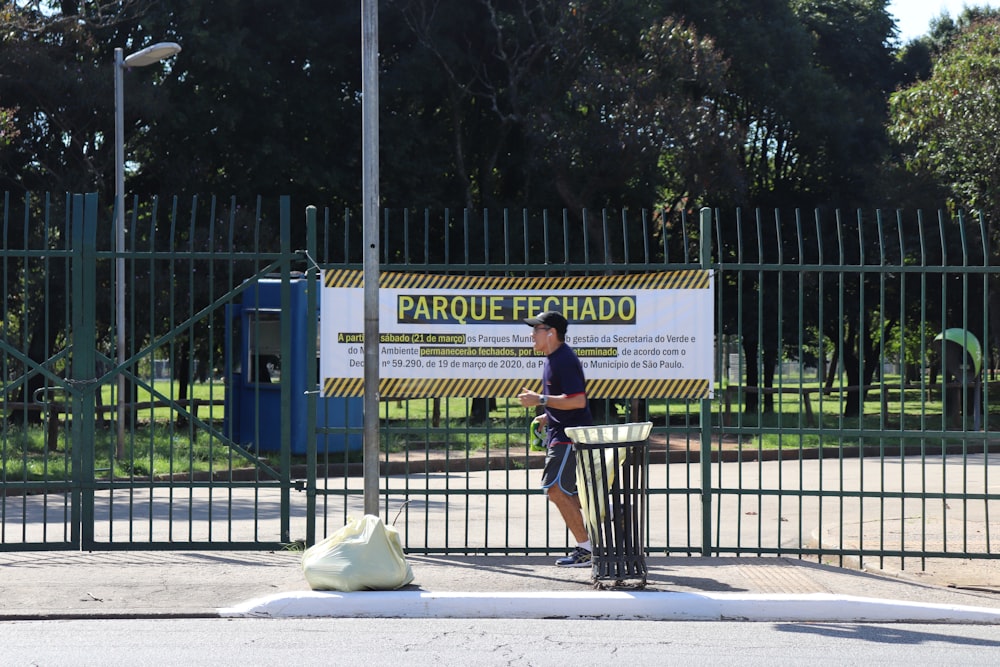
{"x":312,"y":285}
{"x":800,"y":354}
{"x":779,"y":346}
{"x":7,"y":446}
{"x":285,"y":221}
{"x":985,"y":377}
{"x":821,"y":360}
{"x":705,"y":415}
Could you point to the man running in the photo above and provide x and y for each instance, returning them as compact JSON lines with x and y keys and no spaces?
{"x":564,"y":400}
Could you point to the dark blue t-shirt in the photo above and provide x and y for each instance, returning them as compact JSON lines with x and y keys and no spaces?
{"x":562,"y":373}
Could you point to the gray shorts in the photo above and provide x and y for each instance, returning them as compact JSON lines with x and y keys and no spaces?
{"x":560,"y":466}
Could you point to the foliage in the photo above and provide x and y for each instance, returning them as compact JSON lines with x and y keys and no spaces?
{"x":8,"y":130}
{"x":264,"y":100}
{"x":946,"y":125}
{"x":659,"y":112}
{"x":590,"y":103}
{"x":855,"y":72}
{"x":916,"y":59}
{"x":642,"y":104}
{"x":574,"y":104}
{"x":808,"y":83}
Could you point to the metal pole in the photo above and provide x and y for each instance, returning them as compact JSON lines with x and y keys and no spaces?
{"x":147,"y":56}
{"x":370,"y":207}
{"x":120,"y":243}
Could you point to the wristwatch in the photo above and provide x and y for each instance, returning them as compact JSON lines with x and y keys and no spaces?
{"x":543,"y":400}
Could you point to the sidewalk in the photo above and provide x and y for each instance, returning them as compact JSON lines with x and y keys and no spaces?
{"x":59,"y":585}
{"x":127,"y":584}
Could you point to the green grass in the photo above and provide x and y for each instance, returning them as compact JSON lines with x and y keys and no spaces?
{"x":906,"y":415}
{"x":158,"y":445}
{"x":410,"y":423}
{"x":207,"y":391}
{"x":149,"y":451}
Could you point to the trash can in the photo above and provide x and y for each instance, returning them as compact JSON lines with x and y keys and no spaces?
{"x":611,"y":466}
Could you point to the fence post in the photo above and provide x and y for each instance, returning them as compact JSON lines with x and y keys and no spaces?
{"x":83,"y":367}
{"x":285,"y":233}
{"x":705,"y":416}
{"x":312,"y":287}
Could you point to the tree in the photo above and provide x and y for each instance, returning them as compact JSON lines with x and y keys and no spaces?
{"x":54,"y":134}
{"x":57,"y":94}
{"x":658,"y":111}
{"x":916,"y":58}
{"x":808,"y":81}
{"x":855,"y":74}
{"x":585,"y":104}
{"x":946,"y":125}
{"x":263,"y":100}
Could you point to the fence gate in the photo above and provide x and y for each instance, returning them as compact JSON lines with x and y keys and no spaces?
{"x":42,"y":497}
{"x":180,"y":473}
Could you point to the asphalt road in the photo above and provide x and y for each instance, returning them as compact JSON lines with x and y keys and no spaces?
{"x":435,"y":642}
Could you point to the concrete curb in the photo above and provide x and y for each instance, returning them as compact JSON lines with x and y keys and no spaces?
{"x":609,"y":605}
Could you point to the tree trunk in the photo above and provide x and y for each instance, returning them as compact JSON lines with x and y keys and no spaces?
{"x":753,"y":377}
{"x":182,"y":373}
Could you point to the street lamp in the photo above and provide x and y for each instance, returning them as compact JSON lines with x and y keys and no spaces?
{"x":142,"y":58}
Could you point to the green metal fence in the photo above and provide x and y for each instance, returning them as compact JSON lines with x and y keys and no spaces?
{"x":851,"y":415}
{"x":836,"y":429}
{"x":178,"y":478}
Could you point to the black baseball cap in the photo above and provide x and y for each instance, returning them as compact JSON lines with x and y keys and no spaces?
{"x":550,"y":318}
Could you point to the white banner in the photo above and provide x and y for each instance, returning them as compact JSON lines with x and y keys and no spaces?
{"x":647,"y":333}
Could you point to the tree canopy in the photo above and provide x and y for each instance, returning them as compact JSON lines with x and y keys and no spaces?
{"x":665,"y":105}
{"x":946,"y":125}
{"x":484,"y":103}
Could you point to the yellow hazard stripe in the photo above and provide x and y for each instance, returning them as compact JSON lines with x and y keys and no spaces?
{"x":492,"y":387}
{"x":687,"y":279}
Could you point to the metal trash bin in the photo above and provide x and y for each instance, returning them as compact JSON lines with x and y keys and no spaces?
{"x":611,"y":467}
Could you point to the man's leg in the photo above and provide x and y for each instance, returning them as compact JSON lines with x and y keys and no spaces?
{"x":559,"y":482}
{"x":569,"y":509}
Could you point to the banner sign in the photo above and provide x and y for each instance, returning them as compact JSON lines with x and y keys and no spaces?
{"x":638,"y":336}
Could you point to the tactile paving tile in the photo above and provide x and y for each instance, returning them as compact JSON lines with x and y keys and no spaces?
{"x":777,"y":578}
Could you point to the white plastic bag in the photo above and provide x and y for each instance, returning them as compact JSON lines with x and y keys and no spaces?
{"x":589,"y":471}
{"x":363,"y":555}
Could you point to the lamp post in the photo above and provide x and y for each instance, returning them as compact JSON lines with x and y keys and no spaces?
{"x":142,"y":58}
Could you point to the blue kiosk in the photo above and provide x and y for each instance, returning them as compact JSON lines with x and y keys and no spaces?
{"x":255,"y":373}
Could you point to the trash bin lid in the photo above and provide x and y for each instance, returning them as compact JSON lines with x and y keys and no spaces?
{"x":610,"y":433}
{"x":965,"y":339}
